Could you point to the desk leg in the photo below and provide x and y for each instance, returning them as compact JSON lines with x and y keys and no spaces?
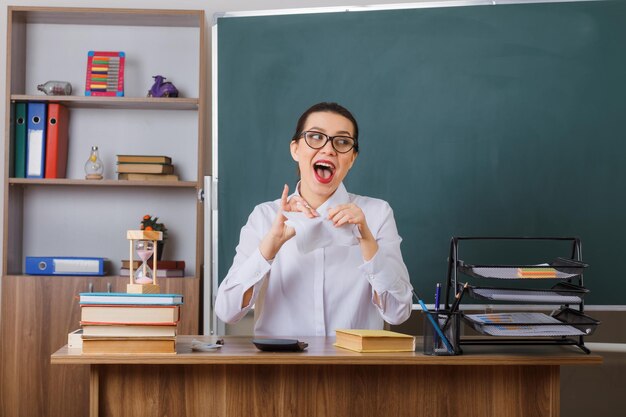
{"x":555,"y":385}
{"x":94,"y":390}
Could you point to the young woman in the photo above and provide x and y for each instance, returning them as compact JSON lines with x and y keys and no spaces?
{"x":319,"y":259}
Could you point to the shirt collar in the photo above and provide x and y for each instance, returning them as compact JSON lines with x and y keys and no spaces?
{"x":340,"y":196}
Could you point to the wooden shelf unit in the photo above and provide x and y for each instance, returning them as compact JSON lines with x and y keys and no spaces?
{"x":20,"y":18}
{"x":37,"y":312}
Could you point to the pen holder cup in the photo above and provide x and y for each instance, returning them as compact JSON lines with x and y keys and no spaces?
{"x":450,"y":326}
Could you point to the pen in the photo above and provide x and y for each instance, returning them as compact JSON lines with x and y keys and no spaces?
{"x":455,"y":306}
{"x":458,"y":297}
{"x":437,"y":297}
{"x":434,"y":324}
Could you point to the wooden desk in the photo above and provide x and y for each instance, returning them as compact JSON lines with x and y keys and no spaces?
{"x":239,"y":380}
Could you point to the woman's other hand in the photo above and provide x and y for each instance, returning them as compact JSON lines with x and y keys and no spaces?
{"x":348,"y":214}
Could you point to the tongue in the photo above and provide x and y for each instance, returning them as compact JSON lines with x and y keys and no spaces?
{"x":323,"y":173}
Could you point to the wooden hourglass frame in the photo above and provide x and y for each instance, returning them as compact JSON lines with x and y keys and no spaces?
{"x":133,"y":287}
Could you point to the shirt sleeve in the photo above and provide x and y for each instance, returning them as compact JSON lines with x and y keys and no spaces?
{"x":249,"y":269}
{"x":387,"y":273}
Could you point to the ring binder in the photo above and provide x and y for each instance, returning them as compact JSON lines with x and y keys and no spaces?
{"x":63,"y":265}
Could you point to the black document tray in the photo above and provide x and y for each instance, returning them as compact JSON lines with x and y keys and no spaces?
{"x":563,"y":271}
{"x":560,"y":293}
{"x":567,"y":320}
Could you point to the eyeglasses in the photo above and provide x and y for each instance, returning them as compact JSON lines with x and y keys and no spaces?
{"x":318,"y":140}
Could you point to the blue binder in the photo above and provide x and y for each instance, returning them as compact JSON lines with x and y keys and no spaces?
{"x":36,"y":140}
{"x":63,"y":265}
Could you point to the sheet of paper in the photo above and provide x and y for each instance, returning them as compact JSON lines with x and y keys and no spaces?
{"x":522,"y":324}
{"x":497,"y":294}
{"x":320,"y":232}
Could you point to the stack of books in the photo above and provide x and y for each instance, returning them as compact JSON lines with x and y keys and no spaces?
{"x":145,"y":168}
{"x":129,"y":323}
{"x":164,"y":268}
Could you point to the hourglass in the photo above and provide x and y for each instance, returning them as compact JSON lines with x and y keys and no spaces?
{"x":143,"y":279}
{"x":144,"y":249}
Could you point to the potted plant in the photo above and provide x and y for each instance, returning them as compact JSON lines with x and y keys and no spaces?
{"x":152,"y":223}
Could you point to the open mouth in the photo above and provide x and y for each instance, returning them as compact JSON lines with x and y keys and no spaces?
{"x":324,"y":171}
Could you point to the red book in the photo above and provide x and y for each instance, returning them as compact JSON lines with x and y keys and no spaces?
{"x":57,"y":141}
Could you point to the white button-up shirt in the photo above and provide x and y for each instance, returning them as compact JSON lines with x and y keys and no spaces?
{"x":328,"y":288}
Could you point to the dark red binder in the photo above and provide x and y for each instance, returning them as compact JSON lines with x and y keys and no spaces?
{"x":57,"y":141}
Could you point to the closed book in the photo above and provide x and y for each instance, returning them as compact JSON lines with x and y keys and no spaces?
{"x":63,"y":265}
{"x":36,"y":140}
{"x":160,"y":273}
{"x":374,"y":340}
{"x":128,"y":345}
{"x":154,"y":159}
{"x":128,"y":314}
{"x":122,"y":298}
{"x":57,"y":141}
{"x":128,"y":330}
{"x":165,"y":264}
{"x":19,"y":140}
{"x":147,"y":177}
{"x":145,"y":168}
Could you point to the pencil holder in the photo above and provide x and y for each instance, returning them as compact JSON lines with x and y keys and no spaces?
{"x":449,"y":324}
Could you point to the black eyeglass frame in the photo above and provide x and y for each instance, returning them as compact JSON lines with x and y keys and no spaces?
{"x":328,"y":138}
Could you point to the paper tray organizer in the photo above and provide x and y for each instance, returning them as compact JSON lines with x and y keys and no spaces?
{"x":567,"y":326}
{"x":564,"y":322}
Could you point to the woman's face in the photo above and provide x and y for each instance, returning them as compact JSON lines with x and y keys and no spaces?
{"x":322,"y":170}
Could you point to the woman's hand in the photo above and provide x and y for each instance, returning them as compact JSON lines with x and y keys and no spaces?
{"x":280,"y":233}
{"x":348,"y":214}
{"x":296,"y":203}
{"x":352,"y":214}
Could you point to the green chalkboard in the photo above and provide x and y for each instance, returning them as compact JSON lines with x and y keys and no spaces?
{"x":502,"y":120}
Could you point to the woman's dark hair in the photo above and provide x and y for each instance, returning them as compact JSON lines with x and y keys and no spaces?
{"x":330,"y":108}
